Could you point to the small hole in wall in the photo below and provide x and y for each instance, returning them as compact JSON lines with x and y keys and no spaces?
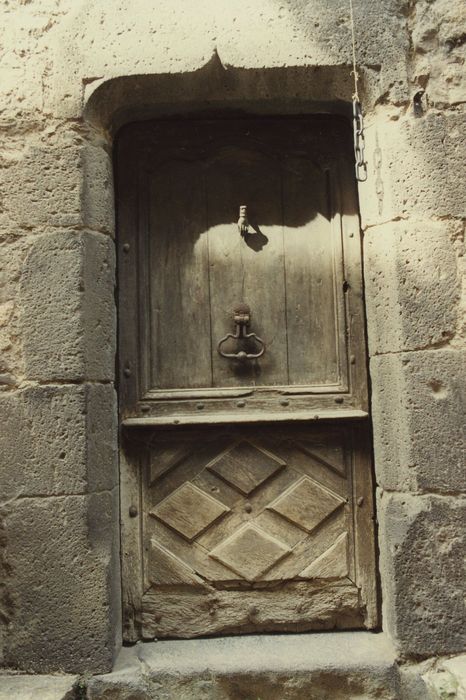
{"x":438,"y":389}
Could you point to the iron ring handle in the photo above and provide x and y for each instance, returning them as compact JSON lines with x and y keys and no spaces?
{"x":241,"y":355}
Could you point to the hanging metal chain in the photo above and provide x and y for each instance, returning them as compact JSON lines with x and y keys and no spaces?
{"x":360,"y":165}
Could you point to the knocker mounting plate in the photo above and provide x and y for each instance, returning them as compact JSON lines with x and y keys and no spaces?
{"x":242,"y":319}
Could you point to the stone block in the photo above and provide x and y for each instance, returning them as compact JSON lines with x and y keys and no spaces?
{"x":65,"y":181}
{"x":418,"y":417}
{"x":438,"y":30}
{"x":412,"y":284}
{"x":412,"y":684}
{"x":341,"y":666}
{"x":97,"y":194}
{"x":442,"y":685}
{"x":127,"y":681}
{"x":98,"y":308}
{"x":63,"y":577}
{"x":416,"y":168}
{"x":422,"y":555}
{"x":13,"y":250}
{"x":456,"y":668}
{"x":26,"y":42}
{"x":67,"y":443}
{"x":68,"y":309}
{"x":38,"y":687}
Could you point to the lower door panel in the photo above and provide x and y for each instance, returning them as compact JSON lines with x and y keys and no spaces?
{"x":254,"y":529}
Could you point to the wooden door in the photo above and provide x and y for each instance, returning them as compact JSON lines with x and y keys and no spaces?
{"x":246,"y":481}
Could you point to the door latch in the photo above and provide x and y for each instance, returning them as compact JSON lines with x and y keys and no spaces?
{"x":242,"y":319}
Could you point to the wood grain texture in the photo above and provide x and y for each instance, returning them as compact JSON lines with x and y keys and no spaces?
{"x":245,"y":466}
{"x":180,"y":187}
{"x":246,"y":487}
{"x":306,"y":503}
{"x":129,"y":233}
{"x":180,"y":346}
{"x":250,"y":552}
{"x":333,"y":563}
{"x":364,"y":516}
{"x":314,"y":329}
{"x":258,"y":416}
{"x":189,"y":511}
{"x":247,"y":269}
{"x":231,"y":532}
{"x":167,"y":570}
{"x":294,"y":608}
{"x":131,"y":543}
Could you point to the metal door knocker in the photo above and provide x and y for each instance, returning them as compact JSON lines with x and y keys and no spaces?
{"x":243,"y":223}
{"x":242,"y":318}
{"x":250,"y":231}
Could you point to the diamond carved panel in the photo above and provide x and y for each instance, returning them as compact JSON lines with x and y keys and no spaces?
{"x":306,"y":504}
{"x":245,"y":466}
{"x":189,"y":511}
{"x":167,"y":457}
{"x":165,"y":568}
{"x":332,"y":456}
{"x":250,"y":552}
{"x":333,"y":563}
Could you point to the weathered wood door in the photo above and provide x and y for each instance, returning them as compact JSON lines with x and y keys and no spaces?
{"x":246,"y":474}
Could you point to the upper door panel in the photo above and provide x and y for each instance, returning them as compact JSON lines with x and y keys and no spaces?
{"x":184,"y":266}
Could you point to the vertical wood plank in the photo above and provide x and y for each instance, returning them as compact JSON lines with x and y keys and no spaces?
{"x":131,"y":545}
{"x":127,"y":180}
{"x":179,"y":292}
{"x":364,"y":527}
{"x":247,"y":269}
{"x":352,"y":247}
{"x":310,"y":276}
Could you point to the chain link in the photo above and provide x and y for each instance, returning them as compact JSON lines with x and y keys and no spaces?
{"x":360,"y":165}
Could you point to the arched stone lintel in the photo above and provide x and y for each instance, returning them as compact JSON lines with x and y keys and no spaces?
{"x":110,"y":104}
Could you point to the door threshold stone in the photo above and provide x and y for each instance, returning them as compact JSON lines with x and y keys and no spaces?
{"x":41,"y":687}
{"x":321,"y":666}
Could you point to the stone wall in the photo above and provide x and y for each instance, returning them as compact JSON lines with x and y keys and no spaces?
{"x":72,"y":72}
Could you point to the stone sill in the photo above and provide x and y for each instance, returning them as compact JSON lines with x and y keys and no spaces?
{"x":41,"y":687}
{"x":321,"y":666}
{"x":337,"y":665}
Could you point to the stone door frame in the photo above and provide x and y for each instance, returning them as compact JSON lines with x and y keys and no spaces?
{"x":308,"y":90}
{"x":126,"y":99}
{"x":68,"y":288}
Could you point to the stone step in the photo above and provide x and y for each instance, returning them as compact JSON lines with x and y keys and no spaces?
{"x":40,"y":687}
{"x":319,"y":666}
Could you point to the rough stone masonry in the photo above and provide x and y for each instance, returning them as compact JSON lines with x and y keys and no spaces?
{"x":72,"y":72}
